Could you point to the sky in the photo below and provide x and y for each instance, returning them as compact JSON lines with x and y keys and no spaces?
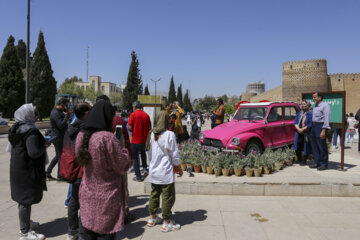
{"x":211,"y":47}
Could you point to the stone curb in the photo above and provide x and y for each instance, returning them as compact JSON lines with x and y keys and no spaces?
{"x":315,"y":189}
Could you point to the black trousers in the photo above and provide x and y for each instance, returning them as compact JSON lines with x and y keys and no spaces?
{"x":86,"y":234}
{"x":73,"y":209}
{"x":58,"y":144}
{"x":24,"y":217}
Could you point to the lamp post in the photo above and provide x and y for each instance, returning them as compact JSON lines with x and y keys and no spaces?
{"x":27,"y":94}
{"x":155,"y":81}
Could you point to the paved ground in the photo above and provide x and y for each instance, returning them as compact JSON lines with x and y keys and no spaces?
{"x":202,"y":216}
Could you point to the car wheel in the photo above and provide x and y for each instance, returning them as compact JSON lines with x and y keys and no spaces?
{"x":253,"y":145}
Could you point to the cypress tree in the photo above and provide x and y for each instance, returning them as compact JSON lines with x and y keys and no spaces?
{"x":146,"y":90}
{"x":172,"y":93}
{"x":12,"y":84}
{"x":21,"y":53}
{"x":42,"y":81}
{"x":187,"y":102}
{"x":134,"y":83}
{"x":179,"y":96}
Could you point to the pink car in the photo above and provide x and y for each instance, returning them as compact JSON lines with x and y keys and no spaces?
{"x":254,"y":127}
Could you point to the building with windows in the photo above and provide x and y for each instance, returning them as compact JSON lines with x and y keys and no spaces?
{"x":95,"y":82}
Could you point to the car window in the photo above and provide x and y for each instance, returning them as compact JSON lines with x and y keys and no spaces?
{"x":275,"y":114}
{"x":253,"y":113}
{"x":289,"y":113}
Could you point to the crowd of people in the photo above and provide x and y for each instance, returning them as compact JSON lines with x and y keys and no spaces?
{"x":95,"y":149}
{"x":94,"y":157}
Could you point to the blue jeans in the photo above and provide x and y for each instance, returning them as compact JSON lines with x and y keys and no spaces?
{"x":139,"y":149}
{"x":337,"y":132}
{"x":319,"y":146}
{"x":68,"y":195}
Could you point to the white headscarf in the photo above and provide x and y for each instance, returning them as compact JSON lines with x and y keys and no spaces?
{"x":24,"y":114}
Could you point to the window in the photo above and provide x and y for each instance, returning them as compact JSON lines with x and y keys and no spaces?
{"x":102,"y":88}
{"x":318,"y":64}
{"x":254,"y":113}
{"x":289,"y":113}
{"x":275,"y":114}
{"x":93,"y":83}
{"x":291,"y":67}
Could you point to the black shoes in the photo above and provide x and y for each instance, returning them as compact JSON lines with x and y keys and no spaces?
{"x":321,"y":168}
{"x":49,"y":177}
{"x":314,"y":166}
{"x":141,"y":179}
{"x":129,"y":218}
{"x":302,"y":163}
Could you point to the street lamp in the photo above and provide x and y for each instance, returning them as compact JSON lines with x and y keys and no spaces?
{"x":27,"y":94}
{"x":155,"y":81}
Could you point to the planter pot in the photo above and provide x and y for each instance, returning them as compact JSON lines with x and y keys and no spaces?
{"x":203,"y":169}
{"x":249,"y":172}
{"x":217,"y":171}
{"x":225,"y":172}
{"x":278,"y":166}
{"x":282,"y":163}
{"x":238,"y":172}
{"x":243,"y":172}
{"x":209,"y":170}
{"x":197,"y":168}
{"x":289,"y":163}
{"x":231,"y":171}
{"x":183,"y":166}
{"x":257,"y":172}
{"x":189,"y":165}
{"x":267,"y":170}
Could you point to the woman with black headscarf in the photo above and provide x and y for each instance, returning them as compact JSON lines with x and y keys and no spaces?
{"x":27,"y":167}
{"x":102,"y":190}
{"x":163,"y":158}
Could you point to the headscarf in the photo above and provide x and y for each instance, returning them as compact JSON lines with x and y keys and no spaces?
{"x":304,"y":112}
{"x":100,"y":116}
{"x":162,"y":124}
{"x":24,"y":114}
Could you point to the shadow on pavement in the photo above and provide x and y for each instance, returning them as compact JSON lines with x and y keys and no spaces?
{"x":189,"y":217}
{"x":55,"y":228}
{"x":337,"y":165}
{"x":132,"y":230}
{"x":138,"y":200}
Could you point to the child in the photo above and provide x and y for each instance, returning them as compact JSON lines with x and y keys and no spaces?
{"x":163,"y":157}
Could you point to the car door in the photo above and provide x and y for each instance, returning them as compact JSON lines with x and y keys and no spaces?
{"x":289,"y":117}
{"x":274,"y":129}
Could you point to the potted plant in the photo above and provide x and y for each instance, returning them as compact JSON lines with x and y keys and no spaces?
{"x":238,"y":166}
{"x":249,"y":167}
{"x":226,"y":163}
{"x":204,"y":161}
{"x":291,"y":156}
{"x":258,"y":164}
{"x":210,"y":163}
{"x":278,"y":163}
{"x":217,"y":163}
{"x":197,"y":160}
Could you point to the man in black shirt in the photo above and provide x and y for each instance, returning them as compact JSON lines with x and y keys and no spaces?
{"x":59,"y":118}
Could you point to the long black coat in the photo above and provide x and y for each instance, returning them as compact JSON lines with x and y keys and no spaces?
{"x":27,"y":175}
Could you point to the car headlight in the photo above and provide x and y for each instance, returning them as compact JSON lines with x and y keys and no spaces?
{"x":201,"y":136}
{"x":235,"y":141}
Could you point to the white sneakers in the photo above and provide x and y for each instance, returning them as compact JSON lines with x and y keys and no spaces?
{"x":166,"y":227}
{"x":31,"y":235}
{"x":171,"y":226}
{"x":72,"y":237}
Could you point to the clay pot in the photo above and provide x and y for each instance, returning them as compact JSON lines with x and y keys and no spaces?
{"x":225,"y":172}
{"x":232,"y":171}
{"x":217,"y":172}
{"x":249,"y":172}
{"x":257,"y":172}
{"x":209,"y":170}
{"x":238,"y":172}
{"x":183,"y":166}
{"x":197,"y":168}
{"x":278,"y":166}
{"x":289,"y":163}
{"x":267,"y":170}
{"x":203,"y":169}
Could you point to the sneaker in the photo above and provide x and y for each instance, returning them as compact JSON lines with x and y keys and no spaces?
{"x":141,"y":179}
{"x":152,"y":222}
{"x":33,"y":225}
{"x":168,"y":227}
{"x":31,"y":235}
{"x":65,"y":206}
{"x":72,"y":236}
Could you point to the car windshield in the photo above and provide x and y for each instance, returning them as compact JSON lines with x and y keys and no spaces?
{"x":251,"y":113}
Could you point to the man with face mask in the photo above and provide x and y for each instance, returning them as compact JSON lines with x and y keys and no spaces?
{"x":59,"y":118}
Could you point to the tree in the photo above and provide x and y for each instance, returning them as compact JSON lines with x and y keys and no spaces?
{"x":21,"y":53}
{"x":146,"y":90}
{"x":91,"y":94}
{"x":134,"y":83}
{"x":115,"y":98}
{"x":73,"y":79}
{"x":225,"y":98}
{"x":12,"y":84}
{"x":172,"y":93}
{"x":187,"y":103}
{"x":70,"y":88}
{"x":42,"y":81}
{"x":206,"y":103}
{"x":179,"y":96}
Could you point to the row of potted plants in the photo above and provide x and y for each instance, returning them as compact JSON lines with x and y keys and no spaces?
{"x":227,"y":164}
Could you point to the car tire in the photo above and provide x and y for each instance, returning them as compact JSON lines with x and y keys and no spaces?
{"x":253,"y":145}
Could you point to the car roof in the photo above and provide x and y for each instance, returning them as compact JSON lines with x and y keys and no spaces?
{"x":266,"y":103}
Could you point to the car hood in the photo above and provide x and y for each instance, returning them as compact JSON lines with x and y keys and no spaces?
{"x":227,"y":130}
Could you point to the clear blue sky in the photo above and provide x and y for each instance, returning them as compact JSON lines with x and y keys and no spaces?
{"x":211,"y":46}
